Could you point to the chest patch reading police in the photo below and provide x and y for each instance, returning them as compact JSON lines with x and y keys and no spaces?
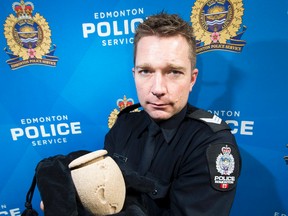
{"x":223,"y":161}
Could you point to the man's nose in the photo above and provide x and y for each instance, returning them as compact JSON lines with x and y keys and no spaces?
{"x":159,"y":85}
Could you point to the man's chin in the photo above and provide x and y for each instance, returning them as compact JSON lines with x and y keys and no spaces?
{"x":159,"y":115}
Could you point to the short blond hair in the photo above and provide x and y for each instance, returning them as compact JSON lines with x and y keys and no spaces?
{"x":167,"y":25}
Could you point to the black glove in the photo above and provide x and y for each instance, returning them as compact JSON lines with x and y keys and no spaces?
{"x":137,"y":182}
{"x":132,"y":208}
{"x":135,"y":185}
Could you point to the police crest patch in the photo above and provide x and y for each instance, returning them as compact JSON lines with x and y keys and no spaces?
{"x":225,"y":163}
{"x":217,"y":25}
{"x":28,"y":38}
{"x":224,"y":166}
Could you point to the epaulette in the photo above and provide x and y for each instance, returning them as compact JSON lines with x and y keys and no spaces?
{"x":129,"y":109}
{"x":213,"y":121}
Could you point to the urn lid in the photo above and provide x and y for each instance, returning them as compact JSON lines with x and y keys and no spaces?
{"x":87,"y":158}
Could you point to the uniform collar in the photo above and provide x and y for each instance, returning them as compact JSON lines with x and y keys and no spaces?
{"x":169,"y":127}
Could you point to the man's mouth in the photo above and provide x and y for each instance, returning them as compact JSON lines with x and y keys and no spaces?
{"x":158,"y":105}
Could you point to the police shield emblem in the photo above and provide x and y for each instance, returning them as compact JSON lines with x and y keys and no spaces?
{"x":217,"y":25}
{"x":28,"y":37}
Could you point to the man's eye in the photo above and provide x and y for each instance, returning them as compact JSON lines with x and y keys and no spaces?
{"x":175,"y":72}
{"x":143,"y":72}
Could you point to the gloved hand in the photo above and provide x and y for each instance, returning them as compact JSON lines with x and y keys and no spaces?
{"x":135,"y":181}
{"x":132,"y":208}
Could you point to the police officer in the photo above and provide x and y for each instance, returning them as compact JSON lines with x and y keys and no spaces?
{"x":176,"y":159}
{"x":191,"y":164}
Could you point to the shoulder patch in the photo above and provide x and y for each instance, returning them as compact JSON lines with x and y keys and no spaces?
{"x":213,"y":121}
{"x":224,"y":166}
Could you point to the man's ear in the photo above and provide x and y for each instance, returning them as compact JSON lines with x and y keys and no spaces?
{"x":194,"y":75}
{"x":193,"y":78}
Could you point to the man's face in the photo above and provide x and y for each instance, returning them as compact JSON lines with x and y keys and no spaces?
{"x":163,"y":75}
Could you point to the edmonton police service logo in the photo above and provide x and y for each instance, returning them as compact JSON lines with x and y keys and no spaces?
{"x":217,"y":25}
{"x":225,"y":163}
{"x":28,"y":38}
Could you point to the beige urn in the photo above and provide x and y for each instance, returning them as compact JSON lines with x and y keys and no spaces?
{"x":99,"y":183}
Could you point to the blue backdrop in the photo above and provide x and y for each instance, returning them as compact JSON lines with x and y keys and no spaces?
{"x":66,"y":64}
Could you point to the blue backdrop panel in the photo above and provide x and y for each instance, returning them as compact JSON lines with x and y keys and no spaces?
{"x":65,"y":64}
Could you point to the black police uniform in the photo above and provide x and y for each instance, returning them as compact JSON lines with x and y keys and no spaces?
{"x":194,"y":168}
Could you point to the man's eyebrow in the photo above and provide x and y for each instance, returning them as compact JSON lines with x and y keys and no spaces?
{"x":176,"y":67}
{"x":169,"y":66}
{"x":145,"y":65}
